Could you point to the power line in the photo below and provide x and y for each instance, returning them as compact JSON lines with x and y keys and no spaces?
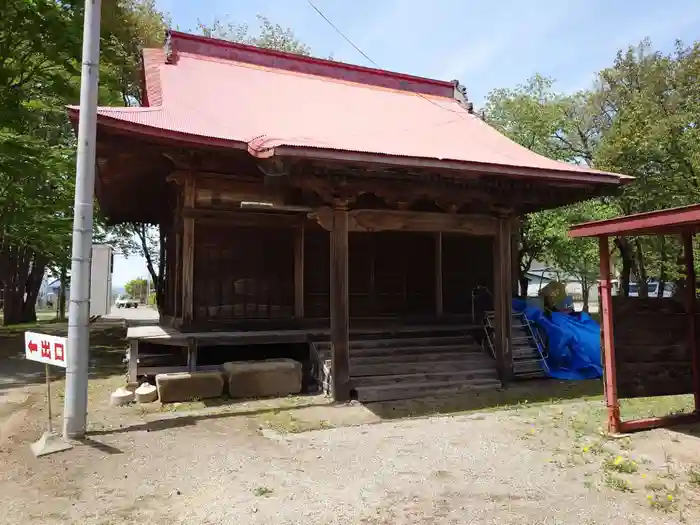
{"x":337,"y":30}
{"x":342,"y":34}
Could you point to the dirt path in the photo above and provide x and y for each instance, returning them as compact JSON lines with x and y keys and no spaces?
{"x":215,"y":467}
{"x":282,"y":462}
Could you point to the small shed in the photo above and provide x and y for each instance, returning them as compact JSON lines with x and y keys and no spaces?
{"x":650,"y":345}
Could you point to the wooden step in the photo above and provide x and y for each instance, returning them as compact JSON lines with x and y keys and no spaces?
{"x":525,"y":355}
{"x":369,"y":394}
{"x":431,"y":377}
{"x":418,"y":367}
{"x":527,"y":367}
{"x":405,"y":342}
{"x":426,"y":356}
{"x":399,"y":351}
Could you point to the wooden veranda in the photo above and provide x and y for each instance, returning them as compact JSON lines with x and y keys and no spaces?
{"x":650,"y":348}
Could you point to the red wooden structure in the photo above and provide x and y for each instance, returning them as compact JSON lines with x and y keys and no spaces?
{"x":295,"y":194}
{"x":684,"y":221}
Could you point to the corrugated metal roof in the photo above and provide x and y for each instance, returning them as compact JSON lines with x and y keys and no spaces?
{"x":662,"y":222}
{"x":273,"y":106}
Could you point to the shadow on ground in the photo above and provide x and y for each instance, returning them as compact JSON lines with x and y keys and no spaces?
{"x":692,"y":430}
{"x":168,"y":422}
{"x":520,"y":393}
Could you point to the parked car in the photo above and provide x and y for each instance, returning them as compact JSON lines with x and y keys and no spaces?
{"x":127,"y":302}
{"x":653,"y":289}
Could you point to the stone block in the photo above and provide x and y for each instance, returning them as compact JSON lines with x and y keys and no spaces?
{"x":268,"y":378}
{"x":121,"y":397}
{"x":146,"y":393}
{"x":186,"y":386}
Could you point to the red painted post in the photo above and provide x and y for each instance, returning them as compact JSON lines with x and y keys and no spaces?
{"x":607,"y":338}
{"x":690,"y":281}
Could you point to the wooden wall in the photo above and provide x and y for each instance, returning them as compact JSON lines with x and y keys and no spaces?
{"x":652,"y":357}
{"x":390,"y":274}
{"x":467,"y":263}
{"x":245,"y":272}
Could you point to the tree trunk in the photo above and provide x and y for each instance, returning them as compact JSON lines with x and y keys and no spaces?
{"x":523,"y":282}
{"x":585,"y":293}
{"x":62,"y":294}
{"x":32,"y":287}
{"x":662,"y":267}
{"x":641,"y":269}
{"x":159,"y":284}
{"x":627,"y":256}
{"x":23,"y":273}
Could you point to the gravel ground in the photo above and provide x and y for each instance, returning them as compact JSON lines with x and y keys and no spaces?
{"x":220,"y":469}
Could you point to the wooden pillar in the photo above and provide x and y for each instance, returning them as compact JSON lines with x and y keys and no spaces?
{"x":502,"y":298}
{"x":339,"y":307}
{"x":515,"y":264}
{"x":188,"y":253}
{"x":133,"y":360}
{"x":438,"y":275}
{"x":691,"y":302}
{"x":607,"y":338}
{"x":299,"y":271}
{"x":177,"y":276}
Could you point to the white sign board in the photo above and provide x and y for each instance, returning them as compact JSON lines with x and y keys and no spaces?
{"x":48,"y":349}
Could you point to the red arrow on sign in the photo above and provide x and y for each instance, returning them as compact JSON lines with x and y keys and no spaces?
{"x":33,"y":347}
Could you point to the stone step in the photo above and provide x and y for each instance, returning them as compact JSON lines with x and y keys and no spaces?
{"x":395,"y":392}
{"x":432,"y":377}
{"x":426,"y":356}
{"x":404,"y":342}
{"x":419,"y":367}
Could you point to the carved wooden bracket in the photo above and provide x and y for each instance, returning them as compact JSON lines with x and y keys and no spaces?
{"x":332,"y":193}
{"x":273,"y":167}
{"x":393,"y":220}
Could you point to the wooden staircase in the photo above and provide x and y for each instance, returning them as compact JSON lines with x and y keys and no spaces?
{"x":414,"y":365}
{"x":529,"y":352}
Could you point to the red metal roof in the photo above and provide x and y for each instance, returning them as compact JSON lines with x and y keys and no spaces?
{"x":271,"y":103}
{"x":671,"y":221}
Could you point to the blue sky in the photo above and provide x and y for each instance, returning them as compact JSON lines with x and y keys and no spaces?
{"x":484,"y":44}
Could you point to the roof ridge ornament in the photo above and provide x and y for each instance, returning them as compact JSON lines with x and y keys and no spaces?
{"x":170,"y":54}
{"x":460,"y":95}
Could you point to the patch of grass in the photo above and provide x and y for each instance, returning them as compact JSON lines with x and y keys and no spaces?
{"x":655,"y":486}
{"x":621,"y":465}
{"x":263,"y":491}
{"x":643,"y":407}
{"x":595,"y":449}
{"x":518,"y":396}
{"x":617,"y":483}
{"x":663,"y":502}
{"x":285,"y":422}
{"x":694,"y":476}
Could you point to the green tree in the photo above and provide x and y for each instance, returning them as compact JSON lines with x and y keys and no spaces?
{"x":268,"y":35}
{"x":650,"y":100}
{"x":532,"y":115}
{"x":578,"y":258}
{"x":40,"y":46}
{"x":137,"y":289}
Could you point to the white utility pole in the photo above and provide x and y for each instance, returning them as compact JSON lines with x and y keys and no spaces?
{"x":75,"y":407}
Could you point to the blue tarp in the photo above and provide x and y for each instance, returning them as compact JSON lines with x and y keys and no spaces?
{"x":572,"y":340}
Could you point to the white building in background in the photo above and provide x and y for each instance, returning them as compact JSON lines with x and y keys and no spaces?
{"x":101,"y":279}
